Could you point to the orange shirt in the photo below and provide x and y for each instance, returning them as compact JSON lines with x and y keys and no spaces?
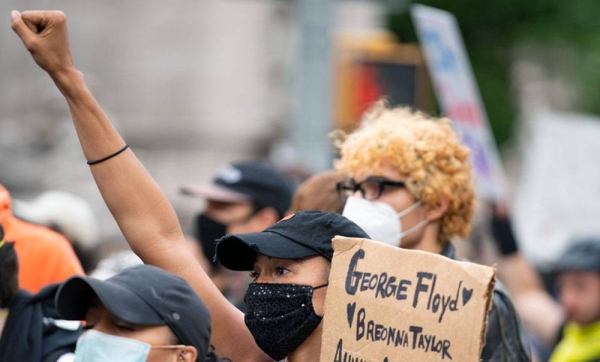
{"x":45,"y":257}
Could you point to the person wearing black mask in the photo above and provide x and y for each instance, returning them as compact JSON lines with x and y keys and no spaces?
{"x":243,"y":197}
{"x":289,"y":263}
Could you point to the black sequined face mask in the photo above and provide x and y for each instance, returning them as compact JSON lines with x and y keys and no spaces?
{"x":280,"y":316}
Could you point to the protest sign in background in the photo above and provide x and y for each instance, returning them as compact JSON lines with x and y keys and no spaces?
{"x":458,"y":95}
{"x":557,"y":198}
{"x":390,"y":304}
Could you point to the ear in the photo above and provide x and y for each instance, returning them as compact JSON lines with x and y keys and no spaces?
{"x":266,"y":217}
{"x":437,"y":211}
{"x":187,"y":354}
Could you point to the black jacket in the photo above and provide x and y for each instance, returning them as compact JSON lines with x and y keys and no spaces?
{"x":504,"y":338}
{"x":31,"y":333}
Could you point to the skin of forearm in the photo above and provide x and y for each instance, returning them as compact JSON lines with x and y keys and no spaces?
{"x":135,"y":199}
{"x":96,"y":133}
{"x":128,"y":190}
{"x":139,"y":206}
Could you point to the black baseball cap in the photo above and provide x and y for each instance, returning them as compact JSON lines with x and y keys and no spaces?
{"x":143,"y":295}
{"x":581,"y":255}
{"x":299,"y":235}
{"x":251,"y":181}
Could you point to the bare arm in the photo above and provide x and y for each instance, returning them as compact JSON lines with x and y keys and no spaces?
{"x":540,"y":313}
{"x":139,"y":206}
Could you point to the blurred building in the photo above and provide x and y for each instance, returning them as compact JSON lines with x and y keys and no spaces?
{"x":190,"y":85}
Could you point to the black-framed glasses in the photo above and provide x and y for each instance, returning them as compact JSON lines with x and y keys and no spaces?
{"x":370,"y":189}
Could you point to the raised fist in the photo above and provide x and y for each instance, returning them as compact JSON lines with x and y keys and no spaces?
{"x":44,"y":34}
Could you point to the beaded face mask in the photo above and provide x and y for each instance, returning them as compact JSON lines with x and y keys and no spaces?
{"x":280,"y":316}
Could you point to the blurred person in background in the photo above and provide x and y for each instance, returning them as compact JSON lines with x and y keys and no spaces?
{"x":541,"y":313}
{"x":412,"y":187}
{"x":114,"y":263}
{"x":67,"y":214}
{"x":243,"y":197}
{"x":578,"y":282}
{"x":45,"y":257}
{"x":319,"y":192}
{"x":142,"y":313}
{"x":118,"y":261}
{"x":30,"y":326}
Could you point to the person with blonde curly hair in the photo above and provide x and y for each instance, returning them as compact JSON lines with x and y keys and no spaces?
{"x":426,"y":157}
{"x":411,"y":186}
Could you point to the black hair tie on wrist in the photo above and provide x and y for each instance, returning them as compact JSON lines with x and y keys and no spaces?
{"x":108,"y":157}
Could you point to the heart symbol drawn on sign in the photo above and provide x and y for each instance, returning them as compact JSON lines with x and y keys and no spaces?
{"x":350,"y":309}
{"x":466,"y":295}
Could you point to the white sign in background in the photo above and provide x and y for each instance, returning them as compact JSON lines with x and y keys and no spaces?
{"x":459,"y":96}
{"x":558,"y":195}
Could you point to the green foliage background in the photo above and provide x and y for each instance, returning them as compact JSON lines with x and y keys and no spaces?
{"x":492,"y":28}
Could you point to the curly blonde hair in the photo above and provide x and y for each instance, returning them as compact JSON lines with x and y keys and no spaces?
{"x":423,"y":148}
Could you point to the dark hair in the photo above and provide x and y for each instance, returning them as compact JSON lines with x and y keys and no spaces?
{"x":212,"y":356}
{"x":88,"y":258}
{"x":319,"y":193}
{"x":9,"y":272}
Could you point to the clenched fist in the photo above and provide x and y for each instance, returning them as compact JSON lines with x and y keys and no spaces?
{"x":44,"y":34}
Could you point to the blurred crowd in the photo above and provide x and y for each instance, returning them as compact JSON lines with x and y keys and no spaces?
{"x":401,"y":178}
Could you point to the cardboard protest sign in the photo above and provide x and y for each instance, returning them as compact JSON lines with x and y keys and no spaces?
{"x":389,"y":304}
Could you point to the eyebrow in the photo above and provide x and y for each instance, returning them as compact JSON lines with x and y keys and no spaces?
{"x":380,"y":178}
{"x":288,"y":262}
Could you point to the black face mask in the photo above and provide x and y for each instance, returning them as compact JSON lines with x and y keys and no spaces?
{"x":280,"y":316}
{"x":208,"y":231}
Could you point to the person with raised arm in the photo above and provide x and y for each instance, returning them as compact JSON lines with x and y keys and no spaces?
{"x":139,"y":206}
{"x":289,"y":261}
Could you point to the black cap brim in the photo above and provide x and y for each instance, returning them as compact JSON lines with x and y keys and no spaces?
{"x":238,"y":252}
{"x":75,"y":296}
{"x":576,"y":264}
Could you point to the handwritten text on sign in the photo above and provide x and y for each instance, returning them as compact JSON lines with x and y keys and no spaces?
{"x":389,"y":304}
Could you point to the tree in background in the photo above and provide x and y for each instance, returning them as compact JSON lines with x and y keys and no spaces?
{"x":493,"y":29}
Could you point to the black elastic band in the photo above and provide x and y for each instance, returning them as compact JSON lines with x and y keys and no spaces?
{"x":109,"y":156}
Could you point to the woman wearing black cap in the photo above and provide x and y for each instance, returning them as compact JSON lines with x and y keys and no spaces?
{"x":289,"y":262}
{"x":142,"y":313}
{"x":291,"y":265}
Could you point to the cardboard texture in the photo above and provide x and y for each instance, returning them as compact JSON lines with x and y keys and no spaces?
{"x":389,"y":304}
